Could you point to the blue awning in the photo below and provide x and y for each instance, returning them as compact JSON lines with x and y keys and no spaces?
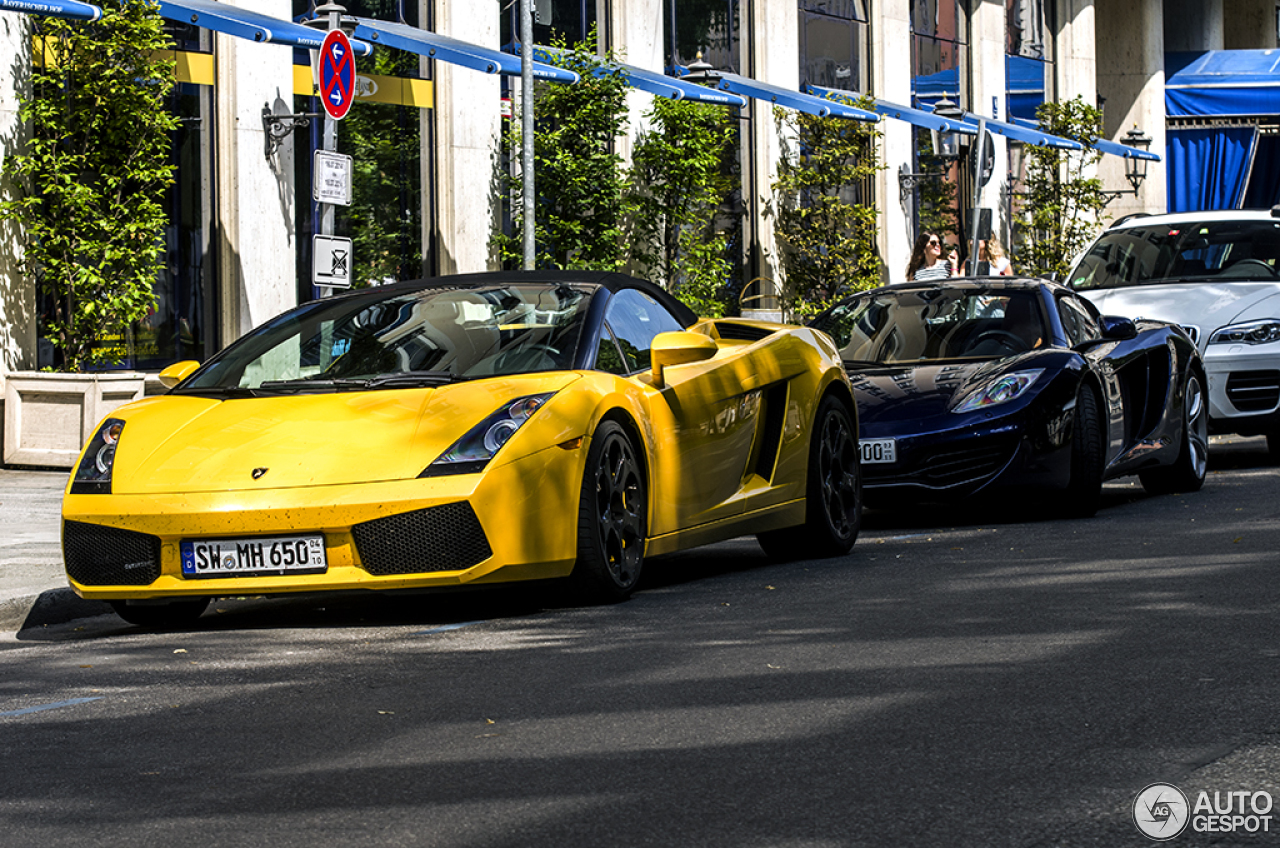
{"x":785,"y":97}
{"x":411,"y":39}
{"x":1024,"y":85}
{"x":1222,"y":83}
{"x":919,"y":117}
{"x":242,"y":23}
{"x":1115,"y":148}
{"x":651,"y":81}
{"x":53,"y":8}
{"x":1027,"y":134}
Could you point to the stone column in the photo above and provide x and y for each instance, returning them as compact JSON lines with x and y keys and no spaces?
{"x":772,"y":42}
{"x":1076,"y":57}
{"x":17,"y":293}
{"x":468,"y":123}
{"x":1249,"y":25}
{"x":1196,"y":24}
{"x":257,"y":267}
{"x":891,"y":80}
{"x":1130,"y":50}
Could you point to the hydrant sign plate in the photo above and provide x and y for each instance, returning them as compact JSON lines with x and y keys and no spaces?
{"x":331,"y":262}
{"x":331,"y":180}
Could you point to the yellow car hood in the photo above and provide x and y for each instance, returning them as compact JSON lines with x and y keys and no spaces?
{"x":182,"y":443}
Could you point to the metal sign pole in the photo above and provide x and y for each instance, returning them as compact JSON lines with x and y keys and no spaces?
{"x":526,"y":127}
{"x":330,"y":144}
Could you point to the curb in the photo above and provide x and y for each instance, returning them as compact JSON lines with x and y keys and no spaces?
{"x":55,"y":606}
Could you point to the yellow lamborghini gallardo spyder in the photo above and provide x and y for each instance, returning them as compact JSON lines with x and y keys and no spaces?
{"x":462,"y":431}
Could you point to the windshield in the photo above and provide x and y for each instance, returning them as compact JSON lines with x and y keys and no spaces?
{"x":927,"y":325}
{"x":1184,"y":253}
{"x":427,"y":337}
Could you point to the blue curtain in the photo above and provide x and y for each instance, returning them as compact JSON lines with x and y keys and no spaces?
{"x":1208,"y":168}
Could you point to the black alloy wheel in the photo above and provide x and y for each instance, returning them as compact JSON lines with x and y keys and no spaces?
{"x":1088,"y":456}
{"x":833,"y":509}
{"x":612,"y":518}
{"x":1188,"y":471}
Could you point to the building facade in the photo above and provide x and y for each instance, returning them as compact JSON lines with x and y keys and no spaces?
{"x":424,"y":132}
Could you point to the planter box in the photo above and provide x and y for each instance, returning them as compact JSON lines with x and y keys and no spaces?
{"x":48,"y":417}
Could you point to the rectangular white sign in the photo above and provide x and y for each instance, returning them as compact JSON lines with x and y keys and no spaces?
{"x":331,"y":261}
{"x":331,"y":178}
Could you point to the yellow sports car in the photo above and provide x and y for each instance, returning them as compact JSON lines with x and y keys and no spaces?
{"x":462,"y":431}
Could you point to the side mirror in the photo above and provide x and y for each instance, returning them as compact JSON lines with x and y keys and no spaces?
{"x":679,"y":348}
{"x":177,"y":372}
{"x":1118,"y":329}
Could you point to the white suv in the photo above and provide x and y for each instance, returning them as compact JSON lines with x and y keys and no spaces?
{"x":1217,"y":274}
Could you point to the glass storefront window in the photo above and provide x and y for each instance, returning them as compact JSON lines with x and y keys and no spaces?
{"x":709,"y":27}
{"x":570,"y":19}
{"x":834,"y":39}
{"x":1027,"y":31}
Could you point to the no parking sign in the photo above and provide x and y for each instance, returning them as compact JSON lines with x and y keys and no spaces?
{"x":337,"y":74}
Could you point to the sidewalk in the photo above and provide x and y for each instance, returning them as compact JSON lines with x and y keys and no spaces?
{"x":33,"y":586}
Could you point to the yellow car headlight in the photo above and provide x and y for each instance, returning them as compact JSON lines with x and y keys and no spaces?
{"x":472,"y":452}
{"x":93,"y":474}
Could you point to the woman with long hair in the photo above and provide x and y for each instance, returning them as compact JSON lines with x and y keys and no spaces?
{"x":927,"y":262}
{"x":993,"y":254}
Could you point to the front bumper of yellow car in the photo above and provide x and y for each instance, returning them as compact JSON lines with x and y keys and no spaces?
{"x":516,"y":521}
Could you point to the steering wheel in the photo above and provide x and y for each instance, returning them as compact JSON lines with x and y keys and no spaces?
{"x":1010,"y":341}
{"x":522,"y":359}
{"x":1250,"y":266}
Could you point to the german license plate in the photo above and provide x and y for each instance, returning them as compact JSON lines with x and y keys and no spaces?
{"x":246,"y":557}
{"x":882,"y":451}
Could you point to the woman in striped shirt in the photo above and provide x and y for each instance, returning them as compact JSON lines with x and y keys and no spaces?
{"x":926,"y":259}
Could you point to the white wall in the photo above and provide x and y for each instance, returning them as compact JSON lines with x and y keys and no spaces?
{"x":891,"y":80}
{"x":1130,"y":49}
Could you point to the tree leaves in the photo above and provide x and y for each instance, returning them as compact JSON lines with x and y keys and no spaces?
{"x":94,"y":174}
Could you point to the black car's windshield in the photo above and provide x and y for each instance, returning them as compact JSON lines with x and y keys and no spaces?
{"x":1217,"y":251}
{"x":923,"y":325}
{"x":428,"y":337}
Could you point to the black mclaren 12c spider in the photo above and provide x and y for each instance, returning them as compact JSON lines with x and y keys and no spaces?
{"x":974,"y":385}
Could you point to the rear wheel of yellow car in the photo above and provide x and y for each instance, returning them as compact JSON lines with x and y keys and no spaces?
{"x":612,"y":518}
{"x":833,"y":507}
{"x":174,"y":615}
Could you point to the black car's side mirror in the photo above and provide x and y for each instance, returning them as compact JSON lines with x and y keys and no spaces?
{"x":1118,"y":329}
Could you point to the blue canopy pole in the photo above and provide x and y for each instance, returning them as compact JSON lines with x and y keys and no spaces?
{"x":54,"y":8}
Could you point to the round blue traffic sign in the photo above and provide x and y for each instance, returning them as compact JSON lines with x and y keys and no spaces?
{"x":337,"y":74}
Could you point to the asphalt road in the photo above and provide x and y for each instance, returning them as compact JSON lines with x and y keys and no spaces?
{"x":965,"y":677}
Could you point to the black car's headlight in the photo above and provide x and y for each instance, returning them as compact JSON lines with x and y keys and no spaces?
{"x":93,"y":474}
{"x":473,"y":451}
{"x":1002,"y":389}
{"x":1251,"y":332}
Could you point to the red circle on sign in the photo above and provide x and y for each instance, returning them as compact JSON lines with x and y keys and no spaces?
{"x":337,"y":74}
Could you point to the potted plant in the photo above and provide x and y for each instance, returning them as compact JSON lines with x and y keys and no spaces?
{"x":90,"y":187}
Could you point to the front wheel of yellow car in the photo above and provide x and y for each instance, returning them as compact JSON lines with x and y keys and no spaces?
{"x":611,"y":518}
{"x":173,"y":615}
{"x":833,"y":505}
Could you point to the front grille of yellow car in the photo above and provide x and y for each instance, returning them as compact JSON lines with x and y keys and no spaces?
{"x":108,"y":556}
{"x":438,"y":538}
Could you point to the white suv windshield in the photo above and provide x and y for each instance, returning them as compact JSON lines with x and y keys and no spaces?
{"x":1150,"y":254}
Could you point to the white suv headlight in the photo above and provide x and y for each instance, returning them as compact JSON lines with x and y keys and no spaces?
{"x":1251,"y":332}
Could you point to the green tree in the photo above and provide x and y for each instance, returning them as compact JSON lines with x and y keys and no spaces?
{"x":579,"y":177}
{"x":682,"y":169}
{"x":828,"y":236}
{"x":385,"y":216}
{"x":93,"y":175}
{"x":1061,"y":208}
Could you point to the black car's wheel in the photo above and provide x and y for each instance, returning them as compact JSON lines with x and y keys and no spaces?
{"x":1088,"y":455}
{"x":833,"y":503}
{"x":1188,"y":471}
{"x":611,"y":518}
{"x":174,"y":615}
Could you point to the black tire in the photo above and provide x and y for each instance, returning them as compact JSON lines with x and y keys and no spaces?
{"x":833,"y":492}
{"x":612,"y":518}
{"x":174,"y":615}
{"x":1088,"y":454}
{"x":1188,"y":471}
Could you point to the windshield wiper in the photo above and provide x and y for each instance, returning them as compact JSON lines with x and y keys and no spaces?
{"x":217,"y":392}
{"x":404,"y":379}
